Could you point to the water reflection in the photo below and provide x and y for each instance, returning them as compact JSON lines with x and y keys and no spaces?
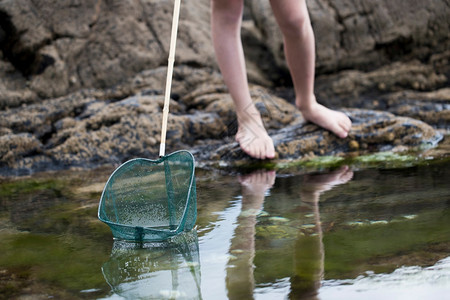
{"x":157,"y":270}
{"x":383,"y":233}
{"x":239,"y":277}
{"x":410,"y":283}
{"x":308,"y":260}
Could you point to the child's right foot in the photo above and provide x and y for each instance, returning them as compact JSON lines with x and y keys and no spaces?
{"x":252,"y":136}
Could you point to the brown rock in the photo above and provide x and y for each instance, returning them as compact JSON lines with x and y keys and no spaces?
{"x":353,"y":145}
{"x":62,"y":47}
{"x":376,"y":131}
{"x":14,"y":146}
{"x":364,"y":34}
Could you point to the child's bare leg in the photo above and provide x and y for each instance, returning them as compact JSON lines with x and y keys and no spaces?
{"x":293,"y":19}
{"x":226,"y":18}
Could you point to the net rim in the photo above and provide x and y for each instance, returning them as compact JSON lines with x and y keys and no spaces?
{"x":157,"y":161}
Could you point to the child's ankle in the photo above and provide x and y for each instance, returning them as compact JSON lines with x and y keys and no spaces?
{"x":306,"y":104}
{"x":249,"y":114}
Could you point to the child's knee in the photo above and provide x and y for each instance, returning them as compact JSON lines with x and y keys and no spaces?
{"x":294,"y":24}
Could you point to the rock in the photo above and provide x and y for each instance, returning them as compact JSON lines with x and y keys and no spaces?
{"x":372,"y":131}
{"x":16,"y":146}
{"x":13,"y":87}
{"x":353,"y":145}
{"x":39,"y":118}
{"x":53,"y":79}
{"x":430,"y":107}
{"x":57,"y":48}
{"x":395,"y":77}
{"x":96,"y":127}
{"x":364,"y":34}
{"x":83,"y":81}
{"x":82,"y":131}
{"x":63,"y":46}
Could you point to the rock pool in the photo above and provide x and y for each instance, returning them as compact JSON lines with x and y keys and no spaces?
{"x":346,"y":233}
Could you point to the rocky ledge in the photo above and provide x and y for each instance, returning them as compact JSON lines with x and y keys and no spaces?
{"x":90,"y":128}
{"x":82,"y":87}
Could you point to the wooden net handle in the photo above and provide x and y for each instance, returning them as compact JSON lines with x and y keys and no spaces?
{"x":173,"y":42}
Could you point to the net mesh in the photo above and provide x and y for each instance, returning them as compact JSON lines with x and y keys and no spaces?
{"x":150,"y":270}
{"x":148,"y":200}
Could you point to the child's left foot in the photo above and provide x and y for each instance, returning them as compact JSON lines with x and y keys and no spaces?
{"x":335,"y":121}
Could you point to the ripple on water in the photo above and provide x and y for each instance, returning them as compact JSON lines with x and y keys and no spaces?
{"x":411,"y":282}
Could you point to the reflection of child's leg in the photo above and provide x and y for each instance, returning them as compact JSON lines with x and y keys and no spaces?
{"x":226,"y":23}
{"x":319,"y":183}
{"x":293,"y":19}
{"x":309,"y":252}
{"x":257,"y":183}
{"x":240,"y":281}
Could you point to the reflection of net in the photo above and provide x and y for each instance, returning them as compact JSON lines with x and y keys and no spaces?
{"x":156,"y":270}
{"x":146,"y":200}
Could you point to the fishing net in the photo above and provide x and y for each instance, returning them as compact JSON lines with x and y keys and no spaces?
{"x":150,"y":200}
{"x":156,"y":270}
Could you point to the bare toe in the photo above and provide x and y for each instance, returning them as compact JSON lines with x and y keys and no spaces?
{"x":343,"y":132}
{"x":335,"y":121}
{"x":270,"y":150}
{"x":256,"y":143}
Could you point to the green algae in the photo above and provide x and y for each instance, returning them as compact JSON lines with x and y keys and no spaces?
{"x":59,"y":251}
{"x":50,"y":236}
{"x":350,"y":250}
{"x":357,"y":248}
{"x":275,"y":232}
{"x":385,"y":159}
{"x":54,"y":260}
{"x":32,"y":185}
{"x":323,"y":163}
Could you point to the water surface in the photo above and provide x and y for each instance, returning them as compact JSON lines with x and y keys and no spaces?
{"x":339,"y":234}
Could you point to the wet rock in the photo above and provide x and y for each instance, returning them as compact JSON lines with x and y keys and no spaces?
{"x":111,"y":133}
{"x":372,"y":131}
{"x":430,"y":107}
{"x":83,"y":82}
{"x":89,"y":128}
{"x":15,"y":146}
